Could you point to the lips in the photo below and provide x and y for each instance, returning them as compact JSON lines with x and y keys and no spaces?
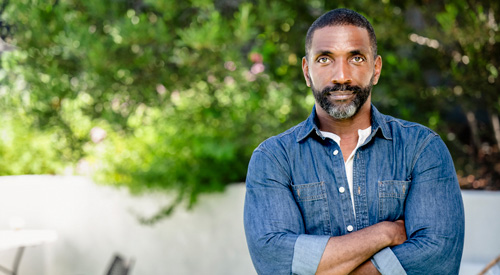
{"x":340,"y":96}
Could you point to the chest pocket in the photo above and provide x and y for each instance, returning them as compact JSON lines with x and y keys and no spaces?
{"x":392,"y":197}
{"x":312,"y":201}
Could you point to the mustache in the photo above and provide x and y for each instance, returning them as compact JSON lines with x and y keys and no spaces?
{"x":341,"y":87}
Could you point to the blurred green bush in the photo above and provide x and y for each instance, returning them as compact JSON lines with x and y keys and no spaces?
{"x":174,"y":96}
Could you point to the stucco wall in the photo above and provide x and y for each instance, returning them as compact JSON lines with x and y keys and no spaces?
{"x":482,"y":230}
{"x":94,"y":221}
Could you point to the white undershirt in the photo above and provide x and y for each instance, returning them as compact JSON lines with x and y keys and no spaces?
{"x":362,"y":136}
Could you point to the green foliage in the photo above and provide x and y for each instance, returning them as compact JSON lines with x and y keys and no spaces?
{"x":182,"y":92}
{"x":461,"y":39}
{"x":174,"y":96}
{"x":25,"y":151}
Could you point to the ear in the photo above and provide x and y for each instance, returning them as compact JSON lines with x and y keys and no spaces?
{"x":305,"y":71}
{"x":377,"y":69}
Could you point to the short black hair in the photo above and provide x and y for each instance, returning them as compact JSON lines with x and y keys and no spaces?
{"x":341,"y":17}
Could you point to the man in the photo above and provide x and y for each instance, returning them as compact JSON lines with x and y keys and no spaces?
{"x":351,"y":190}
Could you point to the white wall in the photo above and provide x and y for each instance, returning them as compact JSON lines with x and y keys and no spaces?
{"x":482,"y":230}
{"x":94,"y":221}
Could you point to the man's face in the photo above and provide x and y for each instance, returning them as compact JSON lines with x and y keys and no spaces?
{"x":341,"y":69}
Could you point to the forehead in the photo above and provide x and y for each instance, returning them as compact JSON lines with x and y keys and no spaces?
{"x":340,"y":38}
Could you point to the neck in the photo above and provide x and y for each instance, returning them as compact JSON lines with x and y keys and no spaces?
{"x":345,"y":128}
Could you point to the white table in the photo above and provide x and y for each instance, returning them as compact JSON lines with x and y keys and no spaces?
{"x":20,"y":239}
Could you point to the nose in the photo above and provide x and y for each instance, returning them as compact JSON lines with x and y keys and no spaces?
{"x":341,"y":72}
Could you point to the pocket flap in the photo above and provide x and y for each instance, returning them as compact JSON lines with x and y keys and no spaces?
{"x":393,"y":189}
{"x":309,"y":191}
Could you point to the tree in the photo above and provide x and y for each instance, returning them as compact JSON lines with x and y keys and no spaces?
{"x":174,"y":96}
{"x":459,"y":56}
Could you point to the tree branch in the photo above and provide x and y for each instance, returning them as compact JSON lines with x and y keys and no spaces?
{"x":496,"y":128}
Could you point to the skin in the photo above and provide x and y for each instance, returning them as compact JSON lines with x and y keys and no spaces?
{"x":342,"y":55}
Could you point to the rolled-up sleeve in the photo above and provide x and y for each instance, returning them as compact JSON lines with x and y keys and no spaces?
{"x":307,"y":253}
{"x":387,"y":263}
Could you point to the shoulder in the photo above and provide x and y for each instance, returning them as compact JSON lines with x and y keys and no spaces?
{"x":406,"y":129}
{"x":272,"y":156}
{"x":282,"y":141}
{"x":422,"y":144}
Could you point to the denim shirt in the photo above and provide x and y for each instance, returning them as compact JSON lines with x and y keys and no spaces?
{"x":297,"y":197}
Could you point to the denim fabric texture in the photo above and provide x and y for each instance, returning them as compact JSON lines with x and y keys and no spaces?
{"x":297,"y":196}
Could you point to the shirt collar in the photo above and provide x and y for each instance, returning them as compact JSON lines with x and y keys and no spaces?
{"x":378,"y":123}
{"x":309,"y":126}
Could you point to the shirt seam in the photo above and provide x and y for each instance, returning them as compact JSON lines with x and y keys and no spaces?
{"x":421,"y":149}
{"x":274,"y":159}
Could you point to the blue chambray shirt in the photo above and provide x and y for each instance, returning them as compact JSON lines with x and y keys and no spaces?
{"x":295,"y":201}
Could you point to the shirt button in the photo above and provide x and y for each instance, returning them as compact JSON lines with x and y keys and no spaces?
{"x":350,"y":228}
{"x":341,"y":189}
{"x":335,"y":152}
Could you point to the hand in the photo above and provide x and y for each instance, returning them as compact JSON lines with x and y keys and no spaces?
{"x":398,"y":232}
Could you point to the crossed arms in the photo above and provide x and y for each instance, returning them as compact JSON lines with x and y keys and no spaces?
{"x":430,"y":241}
{"x":350,"y":253}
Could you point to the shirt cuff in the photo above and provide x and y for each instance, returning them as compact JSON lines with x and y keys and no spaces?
{"x":307,"y":253}
{"x":387,"y":263}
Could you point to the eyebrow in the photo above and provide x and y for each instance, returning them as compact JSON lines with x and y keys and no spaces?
{"x":323,"y":53}
{"x":355,"y":52}
{"x":326,"y":52}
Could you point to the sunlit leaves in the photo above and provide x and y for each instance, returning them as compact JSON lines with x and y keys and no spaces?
{"x":166,"y":95}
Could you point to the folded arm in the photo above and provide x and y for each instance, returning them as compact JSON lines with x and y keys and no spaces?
{"x":276,"y":234}
{"x":343,"y":254}
{"x":434,"y":216}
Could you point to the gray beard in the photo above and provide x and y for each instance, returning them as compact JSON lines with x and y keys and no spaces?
{"x":342,"y":110}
